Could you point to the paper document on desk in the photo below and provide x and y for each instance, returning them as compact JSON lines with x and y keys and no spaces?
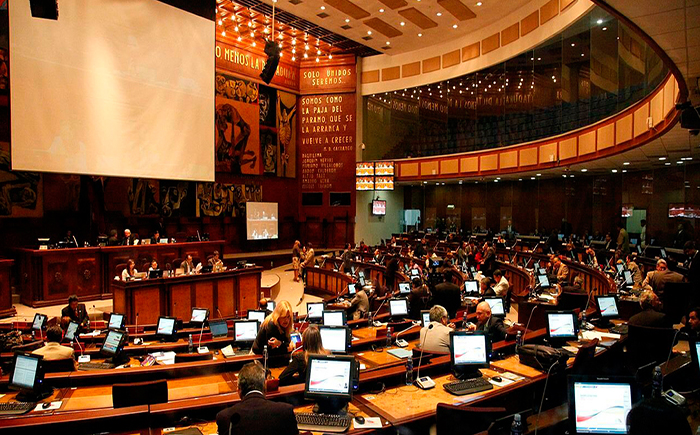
{"x":370,"y":423}
{"x":590,"y":335}
{"x":166,"y":358}
{"x":400,"y":353}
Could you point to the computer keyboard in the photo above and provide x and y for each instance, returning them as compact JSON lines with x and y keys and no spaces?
{"x":16,"y":408}
{"x":95,"y":366}
{"x":323,"y":422}
{"x":620,"y":329}
{"x":469,"y":386}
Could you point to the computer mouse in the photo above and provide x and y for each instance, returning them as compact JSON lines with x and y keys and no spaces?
{"x":496,"y":378}
{"x":46,"y":405}
{"x":359,"y":419}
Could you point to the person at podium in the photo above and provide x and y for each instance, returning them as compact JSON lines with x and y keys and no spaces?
{"x":188,"y":265}
{"x":76,"y":312}
{"x":130,"y":271}
{"x":215,"y":262}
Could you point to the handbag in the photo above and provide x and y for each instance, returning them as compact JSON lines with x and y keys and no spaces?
{"x":545,"y":358}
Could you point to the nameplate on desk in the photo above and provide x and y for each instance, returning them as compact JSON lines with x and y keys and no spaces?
{"x":43,"y":247}
{"x":84,"y":358}
{"x":228,"y":351}
{"x":203,"y":349}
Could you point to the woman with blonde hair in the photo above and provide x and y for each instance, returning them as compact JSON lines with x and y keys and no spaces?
{"x":275,"y":331}
{"x":313,"y":345}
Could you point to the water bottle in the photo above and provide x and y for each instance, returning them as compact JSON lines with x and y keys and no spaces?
{"x":517,"y":428}
{"x":409,"y":371}
{"x":518,"y":341}
{"x":388,"y":336}
{"x":464,"y":319}
{"x":190,"y":345}
{"x":236,"y":314}
{"x":657,"y":382}
{"x":369,"y":320}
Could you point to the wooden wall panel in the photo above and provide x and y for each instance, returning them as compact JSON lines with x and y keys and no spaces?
{"x":509,"y":159}
{"x":566,"y":3}
{"x":408,"y":169}
{"x":623,"y":130}
{"x":586,"y":143}
{"x":657,"y":109}
{"x":147,"y":304}
{"x":669,"y":96}
{"x":469,"y":164}
{"x":528,"y":156}
{"x":432,"y":64}
{"x":491,"y":43}
{"x":567,"y":149}
{"x":510,"y":34}
{"x":606,"y":137}
{"x":392,"y":73}
{"x":429,"y":168}
{"x":640,"y":120}
{"x":548,"y":153}
{"x":204,"y":295}
{"x":224,"y":297}
{"x":249,"y":288}
{"x":450,"y":59}
{"x":449,"y":166}
{"x":370,"y":76}
{"x":410,"y":69}
{"x":549,"y":11}
{"x":489,"y":162}
{"x":530,"y":23}
{"x":470,"y":51}
{"x":181,"y":301}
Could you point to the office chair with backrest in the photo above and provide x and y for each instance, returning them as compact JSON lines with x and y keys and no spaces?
{"x":465,"y":420}
{"x":584,"y":357}
{"x":677,"y":300}
{"x":119,"y":269}
{"x":570,"y":301}
{"x":59,"y":365}
{"x":190,"y":357}
{"x":140,"y":393}
{"x":646,"y":344}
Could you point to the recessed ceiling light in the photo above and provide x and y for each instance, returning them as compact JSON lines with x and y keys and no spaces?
{"x":539,"y":175}
{"x":381,"y":10}
{"x":679,"y":163}
{"x":626,"y":163}
{"x":573,"y":44}
{"x":479,"y":3}
{"x":439,"y":14}
{"x":454,"y":26}
{"x":420,"y":34}
{"x":532,"y":178}
{"x":323,"y":8}
{"x":347,"y":20}
{"x":604,"y":29}
{"x":539,"y":58}
{"x":662,"y":159}
{"x":584,"y":170}
{"x":402,"y":23}
{"x":614,"y":171}
{"x":388,"y":42}
{"x":369,"y":32}
{"x":599,"y":21}
{"x":667,"y":163}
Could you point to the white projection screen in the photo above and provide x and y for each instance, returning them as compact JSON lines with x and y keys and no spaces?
{"x":261,"y":220}
{"x":113,"y":87}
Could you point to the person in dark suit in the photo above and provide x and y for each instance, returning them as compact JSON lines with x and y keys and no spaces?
{"x":113,"y":239}
{"x":649,"y":316}
{"x":693,"y":263}
{"x":447,"y":295}
{"x":488,"y":264}
{"x":76,"y":312}
{"x":275,"y":331}
{"x":390,"y":272}
{"x":254,"y":414}
{"x":295,"y":373}
{"x":493,"y":326}
{"x":486,"y":290}
{"x":128,"y":237}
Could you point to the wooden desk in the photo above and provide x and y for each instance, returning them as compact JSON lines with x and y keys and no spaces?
{"x":326,"y":282}
{"x":48,"y":277}
{"x":6,"y":308}
{"x":228,"y":291}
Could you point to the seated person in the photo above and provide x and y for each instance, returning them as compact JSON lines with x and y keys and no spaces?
{"x":560,"y":270}
{"x":634,"y":269}
{"x":657,"y":416}
{"x":312,"y":346}
{"x":154,"y":265}
{"x":692,"y":325}
{"x":52,"y":349}
{"x":590,"y":257}
{"x":128,"y":238}
{"x":188,"y":265}
{"x":438,"y":339}
{"x":216,"y":263}
{"x":501,"y":287}
{"x":130,"y":271}
{"x":358,"y":306}
{"x":415,"y":298}
{"x":485,"y":287}
{"x":156,"y":237}
{"x":657,"y":279}
{"x":254,"y":414}
{"x":448,"y":295}
{"x":576,"y":288}
{"x":262,"y":305}
{"x":275,"y":332}
{"x":75,"y":312}
{"x":493,"y":326}
{"x":113,"y":240}
{"x":650,"y":316}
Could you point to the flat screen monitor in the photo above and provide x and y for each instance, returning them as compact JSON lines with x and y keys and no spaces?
{"x":314,"y":311}
{"x":361,"y":280}
{"x":257,"y":315}
{"x":271,"y":305}
{"x":167,"y":327}
{"x":335,"y":338}
{"x":261,"y":220}
{"x":537,"y":265}
{"x":27,"y":374}
{"x":351,"y":289}
{"x":497,"y":308}
{"x":425,"y":318}
{"x":114,"y":341}
{"x":361,"y":274}
{"x":607,"y":306}
{"x":599,"y":405}
{"x":199,"y":315}
{"x":627,"y":274}
{"x":334,"y":318}
{"x":245,"y":331}
{"x":415,"y":272}
{"x":404,"y":288}
{"x":39,"y":321}
{"x":71,"y":330}
{"x":543,"y":281}
{"x":378,"y":208}
{"x":471,"y":287}
{"x":116,"y":321}
{"x":663,"y":253}
{"x":542,"y":271}
{"x":620,"y":267}
{"x":155,"y":273}
{"x":218,"y":328}
{"x":398,"y":307}
{"x":329,"y":377}
{"x":435,"y":262}
{"x":562,"y":325}
{"x":469,"y":351}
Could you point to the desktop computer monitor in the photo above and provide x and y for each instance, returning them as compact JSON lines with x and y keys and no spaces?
{"x":199,"y":315}
{"x":620,"y":267}
{"x":469,"y":351}
{"x":607,"y":308}
{"x":361,"y":274}
{"x":71,"y":331}
{"x":329,"y":381}
{"x":398,"y":307}
{"x":218,"y":328}
{"x":404,"y":288}
{"x":497,"y":307}
{"x":245,"y":332}
{"x":599,"y":405}
{"x":258,"y":315}
{"x":541,"y":271}
{"x":113,"y":345}
{"x":166,"y":329}
{"x":425,"y":318}
{"x":28,"y":377}
{"x":334,"y":318}
{"x":662,"y":251}
{"x":116,"y":321}
{"x":155,"y":273}
{"x":415,"y":272}
{"x":562,"y":326}
{"x":335,"y":338}
{"x":627,"y":274}
{"x":471,"y":287}
{"x":271,"y":305}
{"x":39,"y":321}
{"x":352,"y":289}
{"x":543,"y":280}
{"x":361,"y":281}
{"x":314,"y":311}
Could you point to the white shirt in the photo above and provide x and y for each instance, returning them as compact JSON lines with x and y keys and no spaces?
{"x":501,"y":288}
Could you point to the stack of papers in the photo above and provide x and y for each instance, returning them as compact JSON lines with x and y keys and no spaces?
{"x":400,"y":353}
{"x":166,"y":358}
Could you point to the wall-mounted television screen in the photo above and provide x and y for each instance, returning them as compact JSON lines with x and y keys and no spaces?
{"x":364,"y":169}
{"x":384,"y":183}
{"x":261,"y":220}
{"x":378,"y":207}
{"x":364,"y":183}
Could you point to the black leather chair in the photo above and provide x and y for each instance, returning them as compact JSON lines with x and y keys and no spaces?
{"x":584,"y":357}
{"x":59,"y":365}
{"x":646,"y":345}
{"x":190,"y":357}
{"x":465,"y":420}
{"x":139,"y":393}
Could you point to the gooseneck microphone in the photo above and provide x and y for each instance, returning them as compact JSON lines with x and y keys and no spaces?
{"x":419,"y":383}
{"x":201,"y":331}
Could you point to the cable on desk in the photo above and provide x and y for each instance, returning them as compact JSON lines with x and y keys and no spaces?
{"x":544,"y":392}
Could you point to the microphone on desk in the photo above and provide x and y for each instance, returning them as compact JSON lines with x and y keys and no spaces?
{"x":76,"y":241}
{"x":424,"y":383}
{"x":220,"y":316}
{"x":528,"y":322}
{"x":265,"y":367}
{"x":137,"y":340}
{"x":75,"y":340}
{"x":198,"y":236}
{"x":401,"y":343}
{"x":201,"y":331}
{"x":291,"y":355}
{"x":370,"y":316}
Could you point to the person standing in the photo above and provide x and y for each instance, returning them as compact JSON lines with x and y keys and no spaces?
{"x":76,"y":312}
{"x":643,"y":234}
{"x":623,"y":239}
{"x":309,"y":261}
{"x":296,"y":259}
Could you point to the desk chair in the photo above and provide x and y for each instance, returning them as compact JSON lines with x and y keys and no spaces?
{"x":139,"y":393}
{"x":59,"y":365}
{"x":646,"y":344}
{"x":570,"y":301}
{"x":465,"y":420}
{"x":190,"y":357}
{"x":119,"y":269}
{"x":29,"y":347}
{"x":678,"y":299}
{"x":584,"y":357}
